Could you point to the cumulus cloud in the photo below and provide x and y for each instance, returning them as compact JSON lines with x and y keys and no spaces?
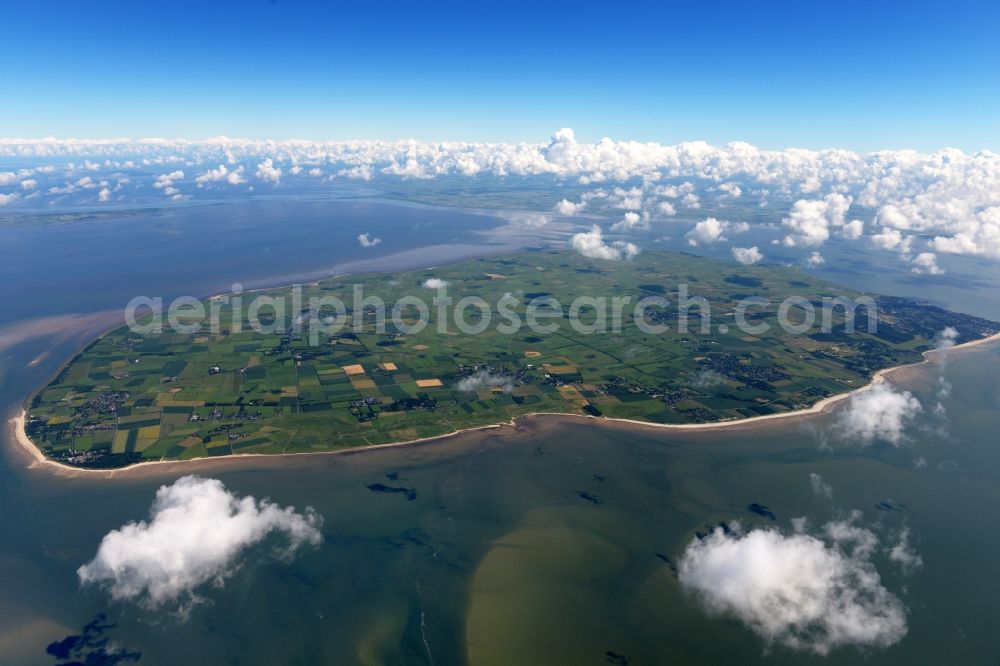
{"x":947,"y":200}
{"x":747,"y":255}
{"x":926,"y":263}
{"x":805,"y":592}
{"x":810,"y":220}
{"x":435,"y":283}
{"x":815,"y":260}
{"x":946,"y":338}
{"x":29,"y":184}
{"x":221,"y":174}
{"x":568,"y":208}
{"x":591,"y":244}
{"x":197,"y":533}
{"x":903,"y":553}
{"x":892,"y":239}
{"x":820,"y":487}
{"x":484,"y":379}
{"x":267,"y":172}
{"x":632,"y":221}
{"x":666,"y":208}
{"x":163,"y":182}
{"x":731,"y":189}
{"x":367,"y":241}
{"x":707,"y":379}
{"x":712,"y":230}
{"x":6,"y":199}
{"x":526,"y":219}
{"x":878,"y":412}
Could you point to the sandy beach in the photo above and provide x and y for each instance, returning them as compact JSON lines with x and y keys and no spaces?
{"x":37,"y":460}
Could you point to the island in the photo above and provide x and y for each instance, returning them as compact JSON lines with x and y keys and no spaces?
{"x":325,"y":377}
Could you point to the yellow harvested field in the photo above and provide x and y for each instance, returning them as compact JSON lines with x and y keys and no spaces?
{"x":354,"y":369}
{"x":363,"y":383}
{"x":495,"y":276}
{"x":164,"y":400}
{"x":532,"y":354}
{"x":560,"y":369}
{"x":121,"y":439}
{"x":388,"y":366}
{"x":428,"y":383}
{"x":149,"y":432}
{"x":141,"y":444}
{"x":420,"y":347}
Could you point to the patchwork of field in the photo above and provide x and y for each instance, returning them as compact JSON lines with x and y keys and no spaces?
{"x":228,"y":389}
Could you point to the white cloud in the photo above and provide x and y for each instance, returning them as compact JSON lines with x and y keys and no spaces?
{"x":104,"y":195}
{"x":747,"y":255}
{"x":221,"y":174}
{"x":632,"y":221}
{"x":853,"y":230}
{"x":591,"y":244}
{"x":527,"y":219}
{"x":810,"y":219}
{"x":360,"y":172}
{"x":926,"y":263}
{"x":691,"y":200}
{"x":29,"y":184}
{"x":485,"y":379}
{"x":367,"y":241}
{"x":877,"y":412}
{"x":903,"y":554}
{"x":164,"y":182}
{"x":6,"y":199}
{"x":820,"y":487}
{"x":893,"y":240}
{"x":435,"y":283}
{"x":731,"y":189}
{"x":267,"y":172}
{"x":712,"y":230}
{"x":815,"y":260}
{"x":807,"y":593}
{"x":196,"y":533}
{"x":946,"y":338}
{"x":568,"y":208}
{"x":949,"y":197}
{"x":707,"y":379}
{"x":666,"y":208}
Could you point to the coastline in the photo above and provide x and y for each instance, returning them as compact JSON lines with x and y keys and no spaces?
{"x":40,"y":461}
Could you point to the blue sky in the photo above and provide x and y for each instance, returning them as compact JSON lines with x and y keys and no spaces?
{"x":838,"y":74}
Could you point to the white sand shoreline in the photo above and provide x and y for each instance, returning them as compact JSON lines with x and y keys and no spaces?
{"x":39,"y":461}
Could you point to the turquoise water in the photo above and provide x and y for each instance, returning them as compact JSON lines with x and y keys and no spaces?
{"x":499,"y":558}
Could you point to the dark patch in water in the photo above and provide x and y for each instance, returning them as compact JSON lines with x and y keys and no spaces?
{"x":409,"y":493}
{"x":599,"y":478}
{"x":91,"y":647}
{"x":392,"y":476}
{"x":888,"y":505}
{"x":613,"y":657}
{"x":711,"y":528}
{"x":590,"y":497}
{"x":669,"y":562}
{"x":761,"y":510}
